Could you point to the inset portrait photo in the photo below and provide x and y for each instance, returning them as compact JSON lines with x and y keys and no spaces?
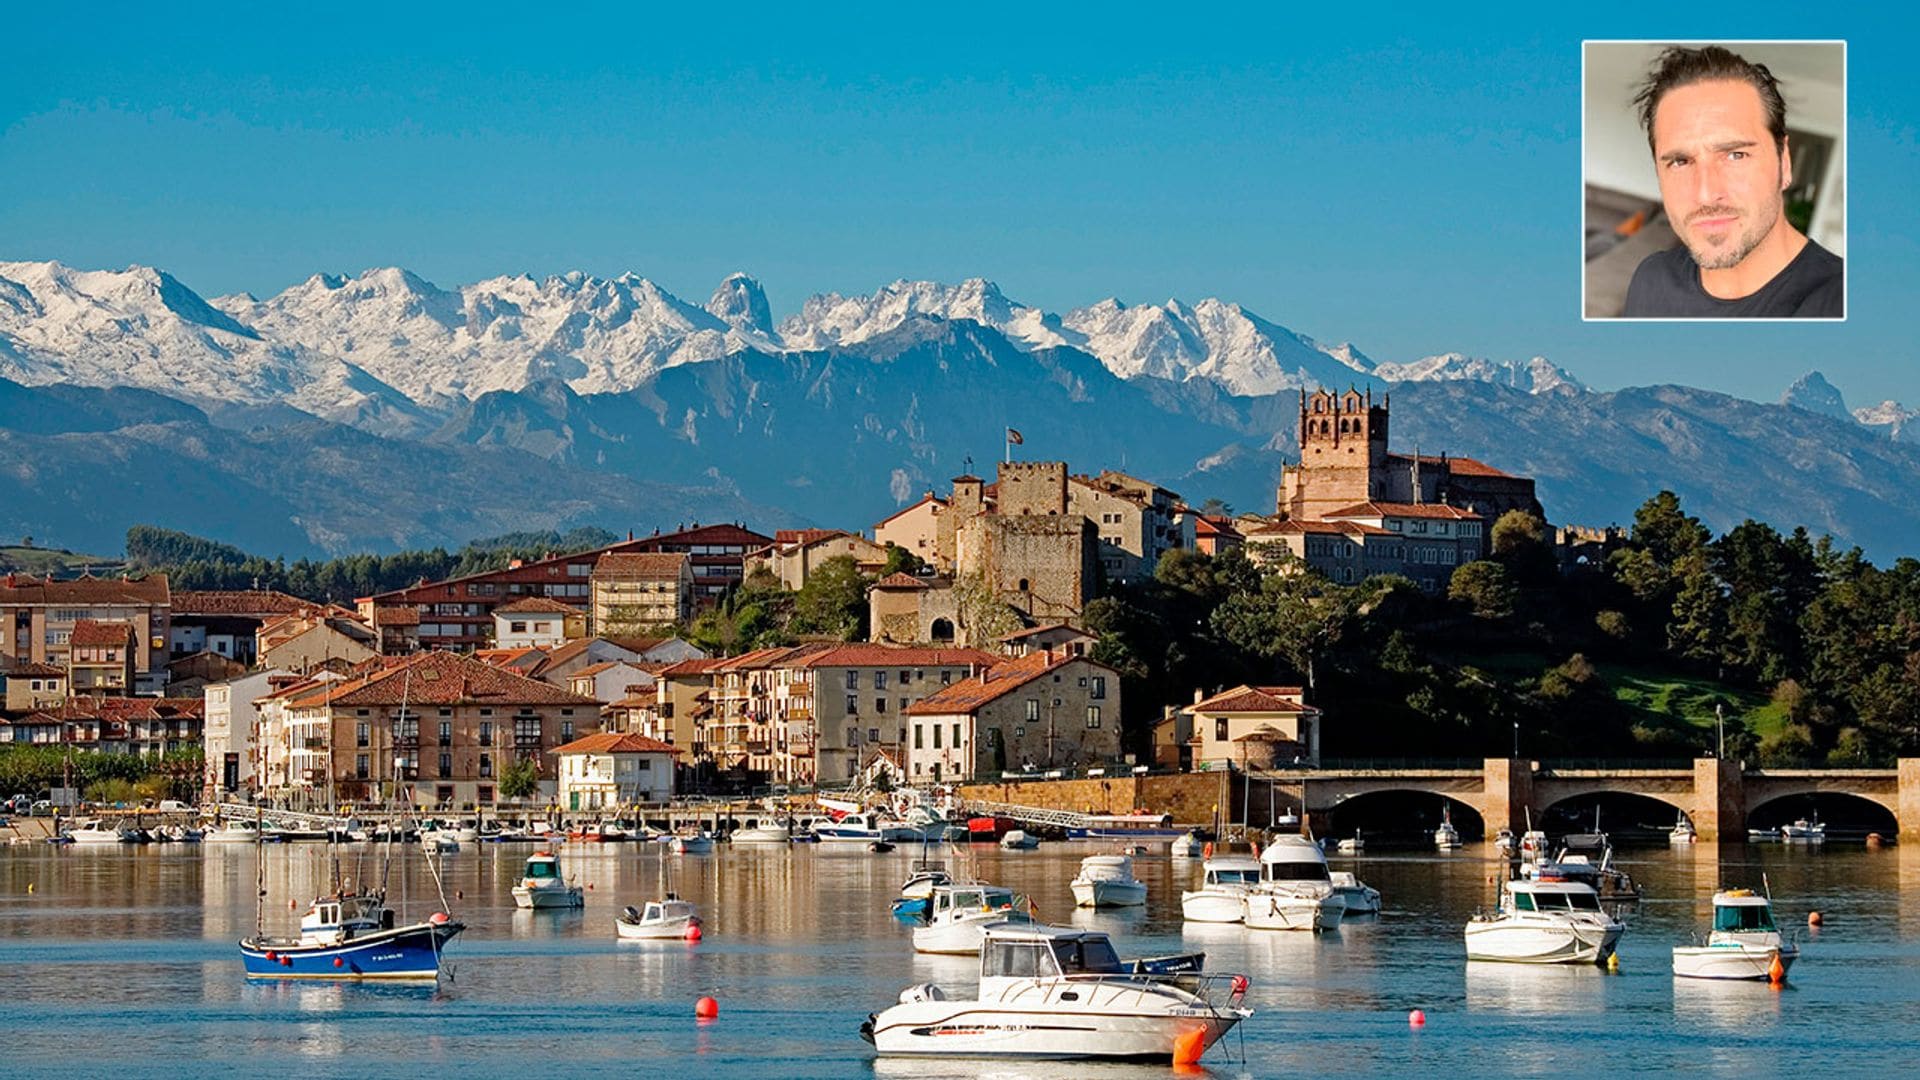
{"x":1715,"y":179}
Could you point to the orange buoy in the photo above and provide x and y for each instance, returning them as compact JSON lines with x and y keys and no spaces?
{"x":1814,"y":919}
{"x":291,"y":905}
{"x":1776,"y":971}
{"x":1417,"y":1018}
{"x":693,"y":932}
{"x":1206,"y":852}
{"x":272,"y":957}
{"x":706,"y":1008}
{"x":1188,"y":1046}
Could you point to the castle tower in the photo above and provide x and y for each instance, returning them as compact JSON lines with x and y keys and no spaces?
{"x":1343,"y":454}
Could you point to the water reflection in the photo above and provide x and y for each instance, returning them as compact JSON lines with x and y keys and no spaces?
{"x":1734,"y":1005}
{"x":1535,"y":989}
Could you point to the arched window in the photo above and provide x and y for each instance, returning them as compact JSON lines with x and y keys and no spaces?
{"x":942,"y":630}
{"x":1023,"y":585}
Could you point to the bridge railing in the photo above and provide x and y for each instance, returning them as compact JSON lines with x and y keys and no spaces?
{"x":1385,"y":765}
{"x":1553,"y":765}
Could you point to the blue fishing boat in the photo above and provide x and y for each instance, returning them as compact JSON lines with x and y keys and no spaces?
{"x":351,"y":936}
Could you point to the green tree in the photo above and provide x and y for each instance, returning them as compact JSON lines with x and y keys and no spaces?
{"x":833,"y":601}
{"x":1522,"y":543}
{"x":1296,"y":616}
{"x":1485,"y":587}
{"x":902,"y":561}
{"x":520,"y":779}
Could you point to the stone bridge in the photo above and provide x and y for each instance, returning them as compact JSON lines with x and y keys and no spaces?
{"x":1716,"y":796}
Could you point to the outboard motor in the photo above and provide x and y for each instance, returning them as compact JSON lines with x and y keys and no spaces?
{"x":922,"y":992}
{"x":633,"y":914}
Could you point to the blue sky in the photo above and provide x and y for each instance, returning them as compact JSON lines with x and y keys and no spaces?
{"x":1407,"y":181}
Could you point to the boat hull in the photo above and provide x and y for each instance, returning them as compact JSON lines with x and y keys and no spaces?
{"x":973,"y":1029}
{"x":1360,"y":899}
{"x":963,"y":935}
{"x":406,"y":953}
{"x":1109,"y":893}
{"x":1516,"y":942}
{"x":1214,"y":906}
{"x":674,"y":929}
{"x":569,"y":897}
{"x":1278,"y":911}
{"x":1754,"y":962}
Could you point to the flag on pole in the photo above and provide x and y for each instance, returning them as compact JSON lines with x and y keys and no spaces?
{"x":1014,"y":437}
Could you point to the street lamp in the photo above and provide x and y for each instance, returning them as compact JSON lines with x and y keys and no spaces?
{"x":1516,"y":740}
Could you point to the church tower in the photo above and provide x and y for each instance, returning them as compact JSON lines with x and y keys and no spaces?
{"x":1343,"y":454}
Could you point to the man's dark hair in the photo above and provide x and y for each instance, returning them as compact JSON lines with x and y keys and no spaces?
{"x":1679,"y":66}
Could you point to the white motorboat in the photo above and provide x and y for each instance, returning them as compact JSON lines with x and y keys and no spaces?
{"x":542,"y":886}
{"x":1295,"y":891}
{"x":1682,"y":831}
{"x":696,"y":843}
{"x":1763,"y":834}
{"x":1019,"y":840}
{"x":1446,"y":837}
{"x":1222,"y":896}
{"x":1804,"y":831}
{"x":959,"y":915}
{"x":233,"y":832}
{"x":1189,"y":846}
{"x":1744,"y":942}
{"x":761,"y":834}
{"x":1361,"y":898}
{"x":1352,"y":845}
{"x":93,"y":832}
{"x":924,"y":877}
{"x":1544,"y":922}
{"x":439,"y":842}
{"x":669,"y":919}
{"x":864,"y":829}
{"x":1504,"y":843}
{"x":1108,"y":881}
{"x":1052,"y":992}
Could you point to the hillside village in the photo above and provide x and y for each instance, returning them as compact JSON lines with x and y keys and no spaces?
{"x":975,"y":661}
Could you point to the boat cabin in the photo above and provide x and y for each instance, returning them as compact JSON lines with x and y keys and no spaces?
{"x":1232,"y":870}
{"x":1740,"y":911}
{"x":542,"y":867}
{"x":1046,"y":952}
{"x":1551,"y":896}
{"x":334,"y":918}
{"x":1293,"y":858}
{"x":970,"y":898}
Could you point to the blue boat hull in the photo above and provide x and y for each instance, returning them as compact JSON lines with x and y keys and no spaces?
{"x":409,"y":952}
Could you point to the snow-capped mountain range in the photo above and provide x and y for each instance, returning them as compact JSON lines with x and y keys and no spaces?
{"x":389,"y":347}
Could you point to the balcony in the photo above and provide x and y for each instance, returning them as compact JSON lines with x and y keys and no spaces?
{"x":526,"y":742}
{"x":406,"y":742}
{"x":759,"y":747}
{"x":313,"y":744}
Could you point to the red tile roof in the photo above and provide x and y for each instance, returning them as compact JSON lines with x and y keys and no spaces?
{"x":969,"y":695}
{"x":616,"y":743}
{"x":901,"y":580}
{"x":32,"y":670}
{"x":92,"y":633}
{"x":396,"y":615}
{"x":692,"y":667}
{"x":929,"y":497}
{"x":21,"y":589}
{"x":806,"y":536}
{"x":1411,"y":510}
{"x":255,"y":602}
{"x":540,"y":604}
{"x":1461,"y":466}
{"x":440,"y":678}
{"x":1253,"y":699}
{"x":898,"y":656}
{"x":650,"y":565}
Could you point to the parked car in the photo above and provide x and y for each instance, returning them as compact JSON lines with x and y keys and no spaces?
{"x":174,"y":806}
{"x":42,"y":808}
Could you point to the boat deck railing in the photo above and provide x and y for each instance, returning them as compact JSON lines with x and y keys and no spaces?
{"x":1216,"y":990}
{"x":1032,"y":815}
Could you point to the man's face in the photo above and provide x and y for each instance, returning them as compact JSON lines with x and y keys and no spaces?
{"x":1720,"y":176}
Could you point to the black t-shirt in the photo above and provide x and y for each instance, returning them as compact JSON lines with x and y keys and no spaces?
{"x":1667,"y":286}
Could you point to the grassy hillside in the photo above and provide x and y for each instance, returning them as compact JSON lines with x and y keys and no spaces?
{"x":59,"y":562}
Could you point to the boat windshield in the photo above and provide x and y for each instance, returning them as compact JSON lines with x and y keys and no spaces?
{"x":1559,"y":901}
{"x":1234,"y":877}
{"x":543,"y":870}
{"x":1092,"y":957}
{"x":1297,"y":871}
{"x":1745,"y":917}
{"x":1017,"y":959}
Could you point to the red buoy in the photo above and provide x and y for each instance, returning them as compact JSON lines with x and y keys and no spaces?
{"x":286,"y":961}
{"x":272,"y":957}
{"x":1417,"y":1018}
{"x":438,"y":918}
{"x":693,"y":931}
{"x":338,"y":962}
{"x":706,"y":1008}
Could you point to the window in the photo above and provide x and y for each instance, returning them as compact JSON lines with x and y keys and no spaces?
{"x":517,"y":628}
{"x":446,"y":767}
{"x":1019,"y":732}
{"x":1099,"y":689}
{"x":579,"y":569}
{"x":879,"y":680}
{"x":873,"y":734}
{"x":880,"y":705}
{"x":853,"y":705}
{"x":360,"y":734}
{"x":956,"y":736}
{"x":1093,"y":716}
{"x":853,"y":680}
{"x":946,"y":677}
{"x":486,"y":770}
{"x":1033,"y":709}
{"x":1220,"y":730}
{"x":566,"y":731}
{"x":936,"y":736}
{"x":853,"y":736}
{"x":360,"y":766}
{"x":446,"y":732}
{"x":486,"y":733}
{"x":919,"y":737}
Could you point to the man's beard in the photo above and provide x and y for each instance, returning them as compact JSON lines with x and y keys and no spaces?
{"x":1736,"y":246}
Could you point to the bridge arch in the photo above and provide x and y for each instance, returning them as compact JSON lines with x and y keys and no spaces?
{"x":1614,"y":811}
{"x":1409,"y":814}
{"x":1846,"y":814}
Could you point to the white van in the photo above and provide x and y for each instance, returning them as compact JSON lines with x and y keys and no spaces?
{"x":174,"y":806}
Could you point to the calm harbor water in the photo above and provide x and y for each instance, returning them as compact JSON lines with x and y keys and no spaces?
{"x":121,"y":961}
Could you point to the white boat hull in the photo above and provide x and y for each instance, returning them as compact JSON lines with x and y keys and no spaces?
{"x":673,"y":929}
{"x":1279,"y":911}
{"x":1187,"y":847}
{"x":692,"y":845}
{"x":961,"y":935}
{"x":1731,"y":961}
{"x":95,"y":836}
{"x":1360,"y":899}
{"x":761,"y":835}
{"x":568,"y":897}
{"x":1109,"y":893}
{"x":1214,"y":905}
{"x":1530,"y":941}
{"x":996,"y":1029}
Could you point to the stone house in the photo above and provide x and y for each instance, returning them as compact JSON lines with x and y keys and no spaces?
{"x":1044,"y":710}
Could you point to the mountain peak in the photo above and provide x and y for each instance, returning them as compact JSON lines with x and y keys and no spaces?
{"x":741,"y":303}
{"x":1815,"y":394}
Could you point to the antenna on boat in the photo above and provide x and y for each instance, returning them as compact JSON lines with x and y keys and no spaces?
{"x":259,"y":874}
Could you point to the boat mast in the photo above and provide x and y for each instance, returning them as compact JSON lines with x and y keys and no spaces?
{"x":259,"y":874}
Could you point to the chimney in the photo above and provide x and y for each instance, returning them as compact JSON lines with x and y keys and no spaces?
{"x":1199,"y":695}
